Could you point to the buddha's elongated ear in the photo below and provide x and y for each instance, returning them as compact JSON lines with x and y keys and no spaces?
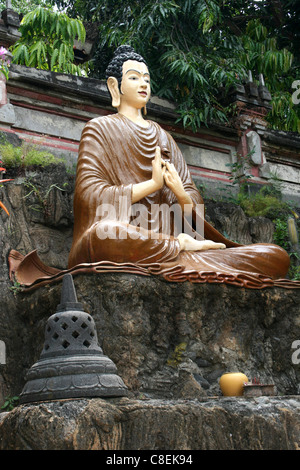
{"x":113,"y":86}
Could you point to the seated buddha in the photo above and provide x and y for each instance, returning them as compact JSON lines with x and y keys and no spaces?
{"x":128,"y":167}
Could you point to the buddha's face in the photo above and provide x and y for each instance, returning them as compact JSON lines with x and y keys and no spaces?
{"x":135,"y":86}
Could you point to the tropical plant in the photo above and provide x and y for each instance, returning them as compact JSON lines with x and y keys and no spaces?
{"x":24,"y":6}
{"x":261,"y":54}
{"x":196,"y":47}
{"x":47,"y":40}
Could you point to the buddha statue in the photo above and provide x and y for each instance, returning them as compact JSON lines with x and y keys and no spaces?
{"x":128,"y":169}
{"x":136,"y":208}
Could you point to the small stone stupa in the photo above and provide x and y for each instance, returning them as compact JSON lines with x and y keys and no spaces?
{"x":72,"y":364}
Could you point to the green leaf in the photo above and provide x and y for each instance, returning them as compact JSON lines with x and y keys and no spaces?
{"x":61,"y":56}
{"x":54,"y":57}
{"x":48,"y":35}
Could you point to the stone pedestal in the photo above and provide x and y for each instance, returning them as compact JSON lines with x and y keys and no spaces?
{"x":172,"y":340}
{"x":263,"y":423}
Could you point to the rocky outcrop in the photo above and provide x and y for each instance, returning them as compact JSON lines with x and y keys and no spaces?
{"x":167,"y":340}
{"x":40,"y":203}
{"x":40,"y":207}
{"x":225,"y":424}
{"x":231,"y":220}
{"x":170,"y":342}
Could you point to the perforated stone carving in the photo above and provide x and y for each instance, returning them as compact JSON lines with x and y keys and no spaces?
{"x":72,"y":364}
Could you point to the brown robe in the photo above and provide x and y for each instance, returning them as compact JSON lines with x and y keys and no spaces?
{"x":116,"y":153}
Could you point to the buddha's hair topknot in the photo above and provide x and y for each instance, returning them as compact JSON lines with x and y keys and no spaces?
{"x":121,"y":55}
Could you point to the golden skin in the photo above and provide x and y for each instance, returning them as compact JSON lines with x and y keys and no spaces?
{"x":130,"y":100}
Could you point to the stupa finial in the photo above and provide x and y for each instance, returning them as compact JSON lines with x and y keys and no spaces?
{"x":68,"y":298}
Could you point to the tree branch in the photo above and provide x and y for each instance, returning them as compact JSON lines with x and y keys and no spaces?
{"x":276,"y":7}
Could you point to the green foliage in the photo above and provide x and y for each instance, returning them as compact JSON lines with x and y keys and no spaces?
{"x":176,"y":357}
{"x":24,"y":6}
{"x":294,"y":272}
{"x":263,"y":205}
{"x":10,"y":403}
{"x":25,"y":156}
{"x":47,"y":41}
{"x":41,"y":198}
{"x":187,"y":63}
{"x":240,"y":171}
{"x":284,"y":114}
{"x":259,"y":205}
{"x":16,"y":288}
{"x":262,"y":55}
{"x":267,"y":202}
{"x":281,"y":236}
{"x":194,"y":48}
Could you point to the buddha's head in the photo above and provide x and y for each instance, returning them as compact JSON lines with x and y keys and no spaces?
{"x":128,"y":78}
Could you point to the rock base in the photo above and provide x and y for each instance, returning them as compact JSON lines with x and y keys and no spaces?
{"x":168,"y":340}
{"x":264,"y":423}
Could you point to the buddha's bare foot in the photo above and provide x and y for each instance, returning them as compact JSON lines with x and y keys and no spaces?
{"x":187,"y":243}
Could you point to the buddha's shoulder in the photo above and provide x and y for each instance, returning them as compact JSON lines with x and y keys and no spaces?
{"x":163,"y":133}
{"x":114,"y":122}
{"x":103,"y":121}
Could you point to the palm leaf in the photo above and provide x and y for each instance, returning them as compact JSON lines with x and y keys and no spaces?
{"x":54,"y":57}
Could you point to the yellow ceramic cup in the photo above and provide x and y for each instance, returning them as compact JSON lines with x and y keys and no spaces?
{"x":232,"y":383}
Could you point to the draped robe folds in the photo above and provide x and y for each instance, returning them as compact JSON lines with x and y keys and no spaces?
{"x":115,"y":154}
